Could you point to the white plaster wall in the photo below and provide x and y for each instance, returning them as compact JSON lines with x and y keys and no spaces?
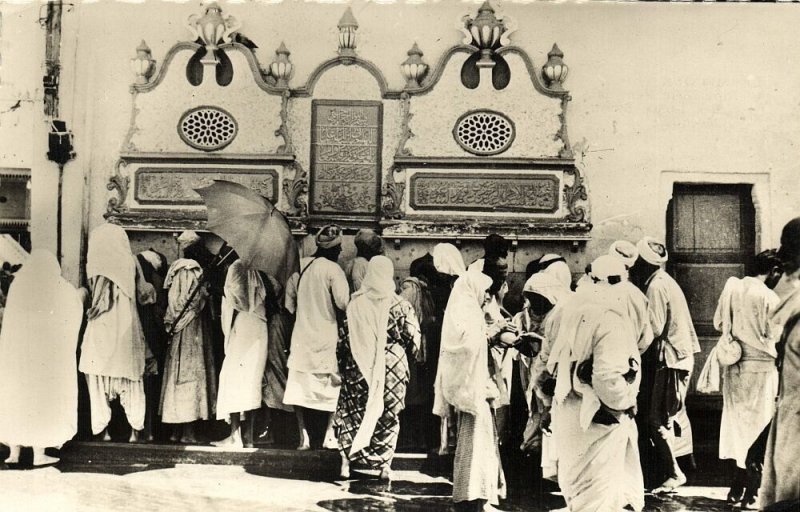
{"x":159,"y":110}
{"x":686,"y":88}
{"x":535,"y":116}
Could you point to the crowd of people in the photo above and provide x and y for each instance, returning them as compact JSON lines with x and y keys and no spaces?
{"x":591,"y":374}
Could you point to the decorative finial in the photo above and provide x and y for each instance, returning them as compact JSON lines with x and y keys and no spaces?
{"x":413,"y":68}
{"x":143,"y":64}
{"x":555,"y":70}
{"x":347,"y":34}
{"x":281,"y":67}
{"x":213,"y":29}
{"x":486,"y":30}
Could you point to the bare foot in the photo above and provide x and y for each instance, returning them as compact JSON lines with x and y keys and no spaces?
{"x":189,"y":440}
{"x":44,"y":460}
{"x":670,"y":484}
{"x":232,"y":442}
{"x":134,"y":436}
{"x":13,"y":456}
{"x":386,"y":474}
{"x":106,"y":435}
{"x":305,"y":441}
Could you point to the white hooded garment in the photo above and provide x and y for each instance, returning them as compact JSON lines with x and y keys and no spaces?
{"x":38,"y":390}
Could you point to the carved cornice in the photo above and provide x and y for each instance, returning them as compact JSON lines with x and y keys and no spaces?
{"x":482,"y":162}
{"x":392,"y":196}
{"x":264,"y":158}
{"x":177,"y":220}
{"x":21,"y":173}
{"x":307,"y":90}
{"x":296,"y":191}
{"x":471,"y":228}
{"x":262,"y":83}
{"x":574,"y":193}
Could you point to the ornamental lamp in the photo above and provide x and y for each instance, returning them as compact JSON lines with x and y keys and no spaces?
{"x":143,"y":64}
{"x":347,"y":34}
{"x":555,"y":71}
{"x":413,"y":68}
{"x":281,"y":67}
{"x":211,"y":27}
{"x":486,"y":30}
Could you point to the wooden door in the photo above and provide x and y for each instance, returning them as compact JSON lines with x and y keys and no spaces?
{"x":710,"y":237}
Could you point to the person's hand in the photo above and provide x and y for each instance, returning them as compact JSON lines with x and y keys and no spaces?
{"x":151,"y":366}
{"x":93,"y":312}
{"x":544,"y":423}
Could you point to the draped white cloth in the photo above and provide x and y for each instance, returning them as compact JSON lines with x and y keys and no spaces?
{"x":246,"y":339}
{"x":559,"y":269}
{"x":750,"y":386}
{"x":462,"y":379}
{"x":367,"y":320}
{"x":598,"y":465}
{"x":38,"y":391}
{"x":447,"y":259}
{"x":113,"y":344}
{"x":109,"y":255}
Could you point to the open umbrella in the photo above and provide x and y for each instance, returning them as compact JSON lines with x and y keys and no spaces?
{"x":252,"y":225}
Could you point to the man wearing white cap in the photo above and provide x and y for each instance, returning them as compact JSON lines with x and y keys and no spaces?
{"x":318,"y":294}
{"x":636,"y":301}
{"x":596,"y":363}
{"x":671,"y":357}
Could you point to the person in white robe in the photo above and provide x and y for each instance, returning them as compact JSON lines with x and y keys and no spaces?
{"x":244,"y":323}
{"x":38,"y":340}
{"x":750,"y":385}
{"x":463,"y":382}
{"x":113,"y":351}
{"x":667,"y":365}
{"x":448,"y":262}
{"x":318,"y":294}
{"x":780,"y":488}
{"x":636,"y":301}
{"x":545,"y":296}
{"x":596,"y":363}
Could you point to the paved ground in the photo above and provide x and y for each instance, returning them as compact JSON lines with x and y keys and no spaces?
{"x":198,"y":488}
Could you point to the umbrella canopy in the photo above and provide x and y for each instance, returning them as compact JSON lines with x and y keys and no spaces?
{"x":252,"y":225}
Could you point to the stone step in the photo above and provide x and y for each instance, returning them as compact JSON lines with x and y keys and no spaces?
{"x":281,"y":463}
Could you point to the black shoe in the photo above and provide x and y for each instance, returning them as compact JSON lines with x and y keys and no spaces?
{"x":749,"y":501}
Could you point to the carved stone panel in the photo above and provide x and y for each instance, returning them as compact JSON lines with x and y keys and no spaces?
{"x":488,"y":192}
{"x":175,"y":186}
{"x":345,"y":157}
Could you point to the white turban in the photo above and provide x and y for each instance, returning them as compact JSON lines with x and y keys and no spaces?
{"x":606,"y":267}
{"x":625,"y":251}
{"x":652,"y":250}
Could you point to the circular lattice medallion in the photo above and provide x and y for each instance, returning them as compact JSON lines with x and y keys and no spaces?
{"x":484,"y":132}
{"x":207,"y":128}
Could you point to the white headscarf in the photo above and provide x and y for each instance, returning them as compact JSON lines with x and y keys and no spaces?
{"x":368,"y":320}
{"x":462,"y":379}
{"x":244,"y":290}
{"x":110,"y":256}
{"x":548,"y":286}
{"x":559,"y":269}
{"x":447,"y":259}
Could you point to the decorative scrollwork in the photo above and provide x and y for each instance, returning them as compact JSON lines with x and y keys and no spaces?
{"x":405,"y":129}
{"x":283,"y":130}
{"x":296,"y":191}
{"x":392,"y":196}
{"x":574,"y":193}
{"x":566,"y":150}
{"x":119,"y":183}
